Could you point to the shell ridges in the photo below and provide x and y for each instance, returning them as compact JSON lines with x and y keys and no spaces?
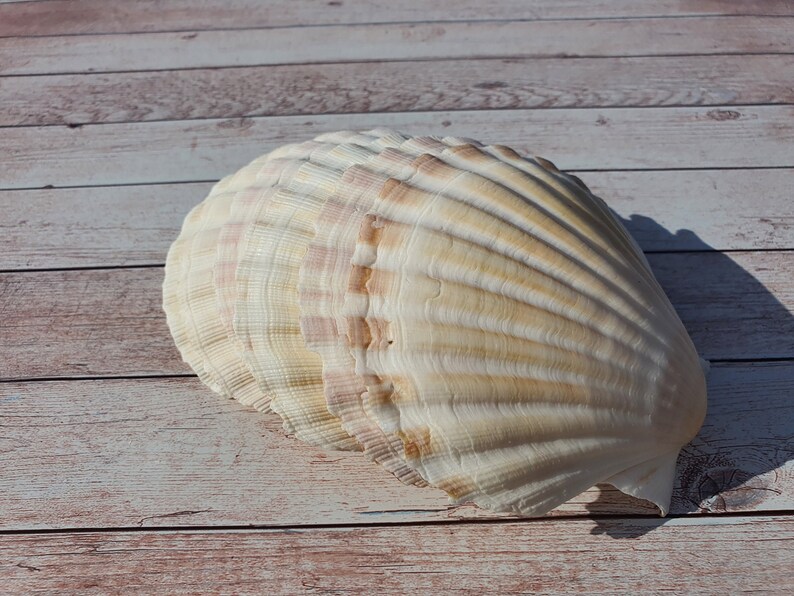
{"x":468,"y":318}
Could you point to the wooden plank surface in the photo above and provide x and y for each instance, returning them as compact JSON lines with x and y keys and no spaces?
{"x":576,"y":139}
{"x":95,"y":227}
{"x":397,"y":87}
{"x":679,"y":113}
{"x":53,"y":17}
{"x":109,"y":322}
{"x":349,"y":43}
{"x":165,"y":452}
{"x":85,"y":323}
{"x":682,"y":556}
{"x":134,"y":225}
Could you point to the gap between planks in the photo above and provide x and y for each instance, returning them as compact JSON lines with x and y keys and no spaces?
{"x":80,"y":17}
{"x":188,"y":375}
{"x":469,"y":521}
{"x":382,"y":43}
{"x":211,"y":181}
{"x":160,"y":265}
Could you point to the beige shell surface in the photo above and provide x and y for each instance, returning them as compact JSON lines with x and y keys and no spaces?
{"x":267,"y":313}
{"x":324,"y":282}
{"x":195,"y":285}
{"x":472,"y":319}
{"x":519,"y":367}
{"x":189,"y":291}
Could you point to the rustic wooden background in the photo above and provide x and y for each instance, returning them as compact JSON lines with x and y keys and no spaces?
{"x":120,"y":472}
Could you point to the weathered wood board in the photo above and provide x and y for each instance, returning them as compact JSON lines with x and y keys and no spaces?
{"x":164,"y":452}
{"x":94,"y":227}
{"x":53,"y":17}
{"x":511,"y":83}
{"x":416,"y":41}
{"x":675,"y":210}
{"x":200,"y":150}
{"x":683,"y":556}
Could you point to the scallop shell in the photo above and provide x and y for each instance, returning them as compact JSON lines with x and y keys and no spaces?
{"x":471,"y":319}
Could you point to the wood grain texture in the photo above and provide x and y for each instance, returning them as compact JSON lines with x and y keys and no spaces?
{"x":702,"y":209}
{"x":619,"y":138}
{"x":94,"y":227}
{"x":350,"y":43}
{"x":169,"y":452}
{"x":134,"y":225}
{"x":54,"y":17}
{"x":110,"y":322}
{"x":85,"y":323}
{"x":397,"y":87}
{"x":575,"y":556}
{"x":684,"y":110}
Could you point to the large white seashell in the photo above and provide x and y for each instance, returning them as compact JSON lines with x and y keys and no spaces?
{"x":267,"y":314}
{"x":324,"y":281}
{"x":471,"y":319}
